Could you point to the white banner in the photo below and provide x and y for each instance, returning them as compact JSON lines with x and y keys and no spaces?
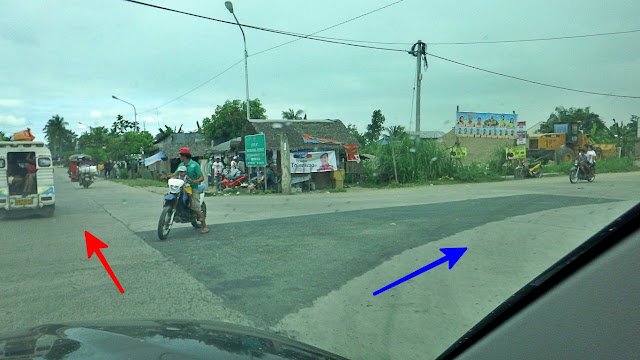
{"x":316,"y":161}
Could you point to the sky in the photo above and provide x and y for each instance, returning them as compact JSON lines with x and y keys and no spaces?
{"x":68,"y":57}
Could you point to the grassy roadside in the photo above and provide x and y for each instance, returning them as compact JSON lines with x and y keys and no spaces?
{"x":604,"y":166}
{"x":140,"y":182}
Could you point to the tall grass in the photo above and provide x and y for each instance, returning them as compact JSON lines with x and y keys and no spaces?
{"x":418,"y":161}
{"x":415,"y":161}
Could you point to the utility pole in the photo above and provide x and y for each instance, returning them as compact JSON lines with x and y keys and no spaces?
{"x":285,"y":163}
{"x":419,"y":51}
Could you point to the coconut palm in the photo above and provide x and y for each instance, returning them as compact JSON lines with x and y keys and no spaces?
{"x":56,"y":132}
{"x":396,"y":132}
{"x":293,"y":114}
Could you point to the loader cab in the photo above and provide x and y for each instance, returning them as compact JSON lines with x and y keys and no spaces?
{"x":571,"y":129}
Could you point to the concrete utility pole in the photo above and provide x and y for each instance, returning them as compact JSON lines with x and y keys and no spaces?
{"x":419,"y":51}
{"x":285,"y":164}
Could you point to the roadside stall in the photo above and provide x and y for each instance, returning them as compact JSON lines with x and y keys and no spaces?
{"x":319,"y":150}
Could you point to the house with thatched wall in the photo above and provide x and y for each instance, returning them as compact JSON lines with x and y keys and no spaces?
{"x":307,"y":136}
{"x":171,"y":144}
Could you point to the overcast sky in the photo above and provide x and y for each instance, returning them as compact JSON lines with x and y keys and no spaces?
{"x":69,"y":57}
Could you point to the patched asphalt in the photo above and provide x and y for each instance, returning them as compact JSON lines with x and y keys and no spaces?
{"x":267,"y":269}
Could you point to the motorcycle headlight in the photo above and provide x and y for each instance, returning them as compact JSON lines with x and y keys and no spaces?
{"x":174,"y":188}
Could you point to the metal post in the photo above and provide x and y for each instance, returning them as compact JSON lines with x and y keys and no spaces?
{"x":418,"y":81}
{"x":229,"y":6}
{"x":135,"y":112}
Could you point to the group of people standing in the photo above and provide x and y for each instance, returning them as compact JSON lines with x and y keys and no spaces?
{"x":111,"y":169}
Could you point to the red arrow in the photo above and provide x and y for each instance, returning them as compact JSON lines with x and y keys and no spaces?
{"x":93,"y":246}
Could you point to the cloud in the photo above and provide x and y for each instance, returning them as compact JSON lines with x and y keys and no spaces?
{"x":11,"y":102}
{"x":10,"y":120}
{"x":95,"y":114}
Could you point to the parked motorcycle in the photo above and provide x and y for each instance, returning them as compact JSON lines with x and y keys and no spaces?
{"x":533,"y":170}
{"x":176,"y":209}
{"x":237,"y":183}
{"x":581,"y":170}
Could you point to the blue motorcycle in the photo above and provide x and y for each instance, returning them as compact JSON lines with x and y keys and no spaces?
{"x":176,"y":208}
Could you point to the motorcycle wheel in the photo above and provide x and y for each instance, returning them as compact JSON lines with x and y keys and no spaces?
{"x":573,"y":176}
{"x":85,"y":185}
{"x":203,"y":208}
{"x":518,"y":174}
{"x":538,"y":173}
{"x":165,"y":222}
{"x":591,"y":178}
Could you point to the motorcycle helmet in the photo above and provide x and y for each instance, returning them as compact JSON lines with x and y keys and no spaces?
{"x":182,"y":168}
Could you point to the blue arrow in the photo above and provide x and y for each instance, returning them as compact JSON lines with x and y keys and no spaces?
{"x":452,"y":255}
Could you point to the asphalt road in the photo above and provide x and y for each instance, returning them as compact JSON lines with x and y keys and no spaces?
{"x":304,"y":265}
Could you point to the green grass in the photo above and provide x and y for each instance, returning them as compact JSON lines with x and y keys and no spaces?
{"x":615,"y":165}
{"x":140,"y":182}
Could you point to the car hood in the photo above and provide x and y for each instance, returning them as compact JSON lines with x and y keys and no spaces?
{"x":158,"y":339}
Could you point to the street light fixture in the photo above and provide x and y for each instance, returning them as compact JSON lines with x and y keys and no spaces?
{"x":135,"y":112}
{"x":229,"y":7}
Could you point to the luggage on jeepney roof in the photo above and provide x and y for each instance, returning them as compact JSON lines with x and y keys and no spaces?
{"x":24,"y":135}
{"x":76,"y":157}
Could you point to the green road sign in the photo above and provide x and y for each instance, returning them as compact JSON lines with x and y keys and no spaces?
{"x":255,"y":150}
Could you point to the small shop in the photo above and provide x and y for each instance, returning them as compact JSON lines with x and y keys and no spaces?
{"x":322,"y":152}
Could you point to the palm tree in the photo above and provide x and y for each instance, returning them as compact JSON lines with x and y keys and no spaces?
{"x":55,"y":132}
{"x":293,"y":114}
{"x":396,"y":132}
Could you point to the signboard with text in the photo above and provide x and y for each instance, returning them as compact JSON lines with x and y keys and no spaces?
{"x":255,"y":150}
{"x":313,"y":161}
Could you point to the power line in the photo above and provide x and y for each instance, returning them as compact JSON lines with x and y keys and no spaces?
{"x":195,"y":88}
{"x":308,"y":36}
{"x":352,"y":41}
{"x":535,"y":39}
{"x":264,"y":29}
{"x":260,"y":52}
{"x":533,"y":82}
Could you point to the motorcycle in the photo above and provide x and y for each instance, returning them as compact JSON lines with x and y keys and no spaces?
{"x":533,"y":170}
{"x":85,"y":175}
{"x":237,"y":183}
{"x":176,"y":209}
{"x":581,"y":170}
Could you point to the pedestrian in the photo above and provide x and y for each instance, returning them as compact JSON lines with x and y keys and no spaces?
{"x":116,"y":171}
{"x":107,"y":169}
{"x":216,"y":170}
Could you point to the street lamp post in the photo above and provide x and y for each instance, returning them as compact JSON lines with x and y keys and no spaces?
{"x":229,"y":7}
{"x":135,"y":112}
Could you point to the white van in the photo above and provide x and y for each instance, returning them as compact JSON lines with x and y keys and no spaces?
{"x":26,"y":178}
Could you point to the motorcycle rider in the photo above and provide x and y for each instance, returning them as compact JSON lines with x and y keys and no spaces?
{"x":591,"y":157}
{"x":196,"y":176}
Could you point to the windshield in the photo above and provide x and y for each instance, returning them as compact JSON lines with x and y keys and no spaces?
{"x":401,"y":169}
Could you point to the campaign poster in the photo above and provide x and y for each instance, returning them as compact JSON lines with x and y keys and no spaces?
{"x":313,"y":161}
{"x":486,"y":125}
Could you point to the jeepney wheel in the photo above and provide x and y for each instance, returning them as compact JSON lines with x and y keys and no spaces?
{"x":48,"y":210}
